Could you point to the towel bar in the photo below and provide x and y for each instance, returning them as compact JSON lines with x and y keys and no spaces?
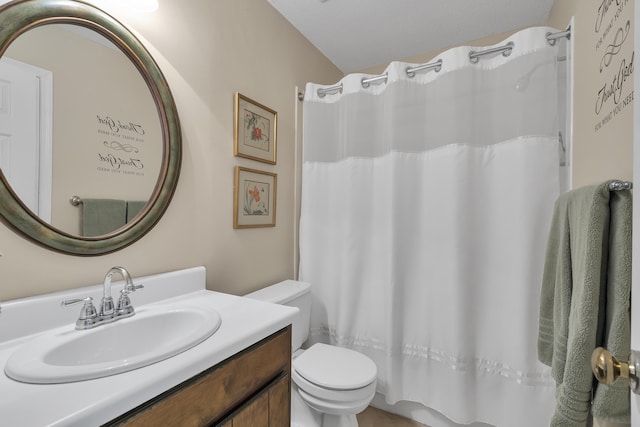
{"x":620,"y":185}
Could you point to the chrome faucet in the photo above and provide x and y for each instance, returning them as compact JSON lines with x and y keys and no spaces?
{"x":90,"y":317}
{"x":124,"y":303}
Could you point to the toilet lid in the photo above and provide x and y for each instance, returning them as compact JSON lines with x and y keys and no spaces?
{"x":335,"y":367}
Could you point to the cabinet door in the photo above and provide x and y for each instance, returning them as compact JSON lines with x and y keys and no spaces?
{"x":270,"y":408}
{"x":280,"y":403}
{"x":254,"y":414}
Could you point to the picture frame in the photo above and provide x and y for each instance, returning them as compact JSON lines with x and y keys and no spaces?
{"x":255,"y":195}
{"x":255,"y":134}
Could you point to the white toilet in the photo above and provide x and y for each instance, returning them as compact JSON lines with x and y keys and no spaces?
{"x":330,"y":385}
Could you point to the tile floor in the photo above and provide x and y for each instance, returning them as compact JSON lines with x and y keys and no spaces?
{"x":373,"y":417}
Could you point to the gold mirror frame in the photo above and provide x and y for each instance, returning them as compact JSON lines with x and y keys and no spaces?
{"x":22,"y":15}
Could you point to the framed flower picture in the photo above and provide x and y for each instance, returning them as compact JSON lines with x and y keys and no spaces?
{"x":254,"y":198}
{"x":255,"y":130}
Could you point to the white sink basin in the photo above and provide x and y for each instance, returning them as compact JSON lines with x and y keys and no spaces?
{"x":152,"y":334}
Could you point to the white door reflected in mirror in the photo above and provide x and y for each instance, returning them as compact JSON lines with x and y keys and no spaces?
{"x":25,"y":133}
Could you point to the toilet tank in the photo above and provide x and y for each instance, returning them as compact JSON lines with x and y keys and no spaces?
{"x":294,"y":294}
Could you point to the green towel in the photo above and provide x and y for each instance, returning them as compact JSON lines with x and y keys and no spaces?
{"x":611,"y":402}
{"x":102,"y":216}
{"x":588,"y":224}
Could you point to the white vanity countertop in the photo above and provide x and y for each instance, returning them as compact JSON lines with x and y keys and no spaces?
{"x":95,"y":402}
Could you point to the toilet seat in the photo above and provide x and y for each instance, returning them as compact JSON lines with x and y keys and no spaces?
{"x":333,"y":379}
{"x":335,"y":368}
{"x":365,"y":392}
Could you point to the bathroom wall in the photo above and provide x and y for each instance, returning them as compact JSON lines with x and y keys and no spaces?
{"x":207,"y":50}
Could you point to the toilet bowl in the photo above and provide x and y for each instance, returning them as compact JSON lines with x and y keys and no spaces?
{"x":330,"y":384}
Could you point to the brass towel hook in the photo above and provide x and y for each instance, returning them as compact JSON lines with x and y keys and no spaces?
{"x":607,"y":369}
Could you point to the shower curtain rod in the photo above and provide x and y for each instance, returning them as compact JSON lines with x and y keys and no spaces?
{"x":474,"y":56}
{"x":505,"y":50}
{"x":436,"y":66}
{"x":376,"y":79}
{"x":552,"y":37}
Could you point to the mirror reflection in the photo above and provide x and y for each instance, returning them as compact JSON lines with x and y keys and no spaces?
{"x":82,"y":123}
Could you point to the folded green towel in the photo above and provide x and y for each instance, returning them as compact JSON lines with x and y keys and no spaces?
{"x":102,"y":216}
{"x":578,"y":311}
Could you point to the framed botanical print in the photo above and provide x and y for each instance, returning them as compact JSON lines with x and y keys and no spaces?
{"x":255,"y":130}
{"x":254,"y":198}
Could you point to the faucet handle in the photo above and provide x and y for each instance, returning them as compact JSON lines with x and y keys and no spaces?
{"x":88,"y":310}
{"x":124,"y":307}
{"x":88,"y":314}
{"x":124,"y":304}
{"x":131,"y":287}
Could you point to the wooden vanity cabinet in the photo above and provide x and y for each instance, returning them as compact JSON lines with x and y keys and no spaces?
{"x":250,"y":389}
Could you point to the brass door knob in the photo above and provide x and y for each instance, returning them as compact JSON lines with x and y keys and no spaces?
{"x":607,"y":369}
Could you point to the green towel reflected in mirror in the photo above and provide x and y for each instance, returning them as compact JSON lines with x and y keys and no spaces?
{"x":104,"y":216}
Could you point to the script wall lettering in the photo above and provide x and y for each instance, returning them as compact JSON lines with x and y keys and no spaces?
{"x":121,"y":149}
{"x":613,"y":35}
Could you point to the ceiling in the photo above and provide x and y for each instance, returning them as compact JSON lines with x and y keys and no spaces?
{"x":357,"y":34}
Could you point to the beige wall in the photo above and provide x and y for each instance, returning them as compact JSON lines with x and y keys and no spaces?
{"x":207,"y":50}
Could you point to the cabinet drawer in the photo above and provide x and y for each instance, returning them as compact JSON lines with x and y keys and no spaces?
{"x":218,"y":391}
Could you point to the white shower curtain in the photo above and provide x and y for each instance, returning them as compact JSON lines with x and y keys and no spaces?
{"x":426,"y":203}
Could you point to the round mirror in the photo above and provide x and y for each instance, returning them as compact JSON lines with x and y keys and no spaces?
{"x":90,"y":142}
